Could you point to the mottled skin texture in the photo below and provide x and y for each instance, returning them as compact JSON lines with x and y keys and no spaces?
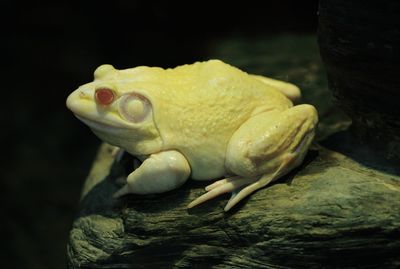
{"x":204,"y":120}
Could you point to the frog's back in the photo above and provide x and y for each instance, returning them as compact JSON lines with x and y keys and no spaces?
{"x":221,"y":82}
{"x":203,"y":105}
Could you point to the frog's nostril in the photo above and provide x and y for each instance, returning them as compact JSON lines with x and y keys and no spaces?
{"x":104,"y":96}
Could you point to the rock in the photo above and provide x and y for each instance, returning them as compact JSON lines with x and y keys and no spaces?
{"x":360,"y":43}
{"x":330,"y":207}
{"x":332,"y":211}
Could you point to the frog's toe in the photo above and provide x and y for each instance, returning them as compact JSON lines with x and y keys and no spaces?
{"x":238,"y":186}
{"x":117,"y":153}
{"x":239,"y":195}
{"x":231,"y":184}
{"x":219,"y":183}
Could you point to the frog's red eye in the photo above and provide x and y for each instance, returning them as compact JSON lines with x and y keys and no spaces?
{"x":104,"y":96}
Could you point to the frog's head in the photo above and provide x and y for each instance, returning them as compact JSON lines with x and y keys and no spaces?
{"x":116,"y":112}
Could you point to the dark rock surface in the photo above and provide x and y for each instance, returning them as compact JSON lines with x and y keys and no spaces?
{"x":340,"y":208}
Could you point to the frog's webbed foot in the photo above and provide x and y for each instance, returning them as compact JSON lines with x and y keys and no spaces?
{"x":231,"y":184}
{"x":239,"y":187}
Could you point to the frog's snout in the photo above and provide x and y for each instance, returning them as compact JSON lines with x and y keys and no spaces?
{"x":80,"y":100}
{"x":71,"y":100}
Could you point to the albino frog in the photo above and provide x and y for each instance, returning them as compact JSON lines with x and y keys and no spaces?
{"x":205,"y":121}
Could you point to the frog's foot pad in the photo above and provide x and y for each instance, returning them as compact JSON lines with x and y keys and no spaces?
{"x":238,"y":186}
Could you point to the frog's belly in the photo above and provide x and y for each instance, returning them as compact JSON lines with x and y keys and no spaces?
{"x":207,"y":164}
{"x":207,"y":169}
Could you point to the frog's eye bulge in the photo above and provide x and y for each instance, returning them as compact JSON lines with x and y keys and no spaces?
{"x":104,"y":96}
{"x":134,"y":108}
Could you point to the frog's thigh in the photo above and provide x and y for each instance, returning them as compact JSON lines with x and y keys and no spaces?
{"x":259,"y":146}
{"x":291,"y":91}
{"x":161,"y":172}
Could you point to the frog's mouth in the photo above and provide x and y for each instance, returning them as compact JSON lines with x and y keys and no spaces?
{"x":100,"y":126}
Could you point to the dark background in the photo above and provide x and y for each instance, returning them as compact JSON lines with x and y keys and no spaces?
{"x":49,"y":49}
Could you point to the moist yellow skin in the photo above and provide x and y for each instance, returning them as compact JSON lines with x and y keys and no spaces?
{"x":213,"y":118}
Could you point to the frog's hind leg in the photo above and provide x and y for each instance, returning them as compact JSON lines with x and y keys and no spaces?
{"x":291,"y":91}
{"x":258,"y":184}
{"x":269,"y":145}
{"x":266,"y":147}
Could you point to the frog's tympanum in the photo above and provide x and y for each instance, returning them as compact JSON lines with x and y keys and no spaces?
{"x":206,"y":121}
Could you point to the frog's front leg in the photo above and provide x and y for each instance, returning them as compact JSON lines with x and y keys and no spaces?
{"x":264,"y":148}
{"x":160,"y":172}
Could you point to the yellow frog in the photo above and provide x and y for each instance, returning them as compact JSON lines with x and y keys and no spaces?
{"x":206,"y":121}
